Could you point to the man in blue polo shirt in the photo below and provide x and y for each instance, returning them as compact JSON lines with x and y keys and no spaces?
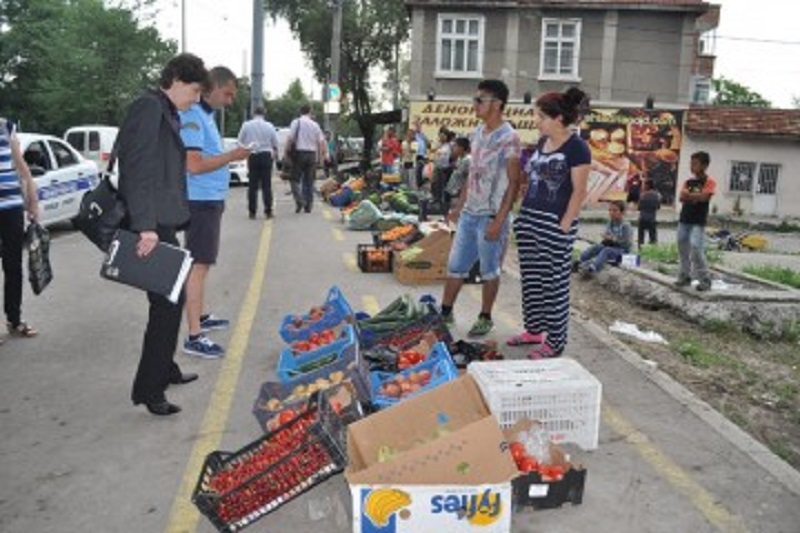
{"x":208,"y":181}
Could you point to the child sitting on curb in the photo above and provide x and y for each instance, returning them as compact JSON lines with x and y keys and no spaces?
{"x":616,"y":242}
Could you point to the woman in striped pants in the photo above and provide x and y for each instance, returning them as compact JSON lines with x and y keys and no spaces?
{"x":548,"y":221}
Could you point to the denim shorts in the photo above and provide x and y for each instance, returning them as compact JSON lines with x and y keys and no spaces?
{"x":470,"y":245}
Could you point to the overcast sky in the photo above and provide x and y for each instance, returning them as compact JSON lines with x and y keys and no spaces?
{"x":758,"y":43}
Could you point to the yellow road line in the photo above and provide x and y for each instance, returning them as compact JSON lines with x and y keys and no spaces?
{"x":184,"y":516}
{"x":676,"y":476}
{"x":349,"y":259}
{"x":370,"y":304}
{"x":337,"y":234}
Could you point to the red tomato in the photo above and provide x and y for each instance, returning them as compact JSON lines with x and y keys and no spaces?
{"x":517,"y":451}
{"x":287,"y":415}
{"x":528,"y":464}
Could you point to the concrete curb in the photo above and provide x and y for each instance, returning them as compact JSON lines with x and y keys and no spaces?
{"x":760,"y":454}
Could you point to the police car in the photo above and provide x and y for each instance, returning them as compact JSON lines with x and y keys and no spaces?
{"x":62,"y":175}
{"x":238,"y":168}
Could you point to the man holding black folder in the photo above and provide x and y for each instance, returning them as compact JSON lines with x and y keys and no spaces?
{"x":152,"y":181}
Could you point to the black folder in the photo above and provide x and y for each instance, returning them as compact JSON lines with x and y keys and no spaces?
{"x":163,"y":271}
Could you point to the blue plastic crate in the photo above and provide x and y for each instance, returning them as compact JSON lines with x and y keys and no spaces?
{"x":439,"y":363}
{"x":338,"y":312}
{"x":345,"y":349}
{"x":355,"y":371}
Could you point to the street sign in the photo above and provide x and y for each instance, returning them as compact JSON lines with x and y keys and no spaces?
{"x":332,"y":107}
{"x":334,"y":93}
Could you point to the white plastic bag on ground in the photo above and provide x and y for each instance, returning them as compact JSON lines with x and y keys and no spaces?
{"x":633,"y":330}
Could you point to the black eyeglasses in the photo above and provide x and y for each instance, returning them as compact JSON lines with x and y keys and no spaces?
{"x":481,"y":99}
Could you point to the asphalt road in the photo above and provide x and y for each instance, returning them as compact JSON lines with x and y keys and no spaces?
{"x":77,"y":456}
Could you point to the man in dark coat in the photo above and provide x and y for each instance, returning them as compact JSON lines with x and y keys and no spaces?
{"x":152,"y":181}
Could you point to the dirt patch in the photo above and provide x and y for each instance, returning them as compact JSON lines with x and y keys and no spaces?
{"x":754,"y":383}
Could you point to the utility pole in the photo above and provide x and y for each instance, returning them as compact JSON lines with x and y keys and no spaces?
{"x":257,"y":77}
{"x":336,"y":44}
{"x":183,"y":26}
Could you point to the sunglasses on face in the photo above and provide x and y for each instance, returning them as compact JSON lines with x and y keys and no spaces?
{"x":481,"y":99}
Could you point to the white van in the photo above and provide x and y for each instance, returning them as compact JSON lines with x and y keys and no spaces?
{"x":93,"y":142}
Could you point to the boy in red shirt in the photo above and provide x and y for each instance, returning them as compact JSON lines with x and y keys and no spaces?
{"x":695,"y":196}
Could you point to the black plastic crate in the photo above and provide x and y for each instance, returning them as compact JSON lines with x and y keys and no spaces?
{"x":365,"y":264}
{"x":234,"y":490}
{"x":356,"y":380}
{"x":531,"y":491}
{"x":407,"y":335}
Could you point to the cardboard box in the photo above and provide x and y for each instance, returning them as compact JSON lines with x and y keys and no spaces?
{"x":456,"y":479}
{"x":430,"y":265}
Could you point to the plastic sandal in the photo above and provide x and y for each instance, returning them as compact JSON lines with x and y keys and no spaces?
{"x":525,"y":338}
{"x":542,"y":352}
{"x":21,"y":330}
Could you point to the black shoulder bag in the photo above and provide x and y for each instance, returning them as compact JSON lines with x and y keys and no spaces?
{"x":102,"y":210}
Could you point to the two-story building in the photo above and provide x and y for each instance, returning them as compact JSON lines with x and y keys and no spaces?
{"x":642,"y":62}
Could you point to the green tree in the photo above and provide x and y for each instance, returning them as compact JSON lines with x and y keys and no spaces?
{"x":67,"y":62}
{"x":796,"y":102}
{"x":370,"y":31}
{"x":282,"y":110}
{"x":731,"y":93}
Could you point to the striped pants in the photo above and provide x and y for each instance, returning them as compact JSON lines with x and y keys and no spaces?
{"x":545,"y":261}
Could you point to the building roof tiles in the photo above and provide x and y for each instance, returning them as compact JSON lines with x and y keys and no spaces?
{"x":744,"y":121}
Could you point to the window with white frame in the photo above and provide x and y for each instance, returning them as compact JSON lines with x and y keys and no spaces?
{"x":701,"y":90}
{"x":741,"y":178}
{"x":768,"y":174}
{"x":459,"y":45}
{"x":560,"y":49}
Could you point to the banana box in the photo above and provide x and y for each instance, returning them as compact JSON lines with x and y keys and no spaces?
{"x":435,"y":462}
{"x":417,"y":508}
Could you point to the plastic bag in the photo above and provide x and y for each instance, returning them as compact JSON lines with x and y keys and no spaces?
{"x":37,"y":242}
{"x":363,"y":216}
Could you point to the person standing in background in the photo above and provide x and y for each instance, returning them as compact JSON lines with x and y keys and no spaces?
{"x":306,"y":148}
{"x":649,"y":204}
{"x":422,"y":152}
{"x":460,"y":173}
{"x":208,"y":181}
{"x":547,"y":223}
{"x":390,"y":150}
{"x":152,"y":182}
{"x":696,"y":197}
{"x":17,"y":196}
{"x":409,"y":155}
{"x":259,"y":135}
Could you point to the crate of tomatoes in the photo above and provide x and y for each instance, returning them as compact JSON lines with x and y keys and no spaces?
{"x":235,"y":489}
{"x":436,"y":369}
{"x":335,"y":310}
{"x":374,"y":259}
{"x":295,"y":362}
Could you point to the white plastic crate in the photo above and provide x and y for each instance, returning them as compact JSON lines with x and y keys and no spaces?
{"x":559,"y":393}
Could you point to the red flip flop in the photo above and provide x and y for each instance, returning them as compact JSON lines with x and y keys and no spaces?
{"x":525,"y":339}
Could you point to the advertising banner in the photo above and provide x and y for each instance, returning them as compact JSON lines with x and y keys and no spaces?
{"x":631,"y":145}
{"x":460,"y":118}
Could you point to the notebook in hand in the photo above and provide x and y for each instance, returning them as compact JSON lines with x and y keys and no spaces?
{"x":163,"y":271}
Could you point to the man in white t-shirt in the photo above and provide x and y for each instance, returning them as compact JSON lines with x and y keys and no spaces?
{"x":306,"y":148}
